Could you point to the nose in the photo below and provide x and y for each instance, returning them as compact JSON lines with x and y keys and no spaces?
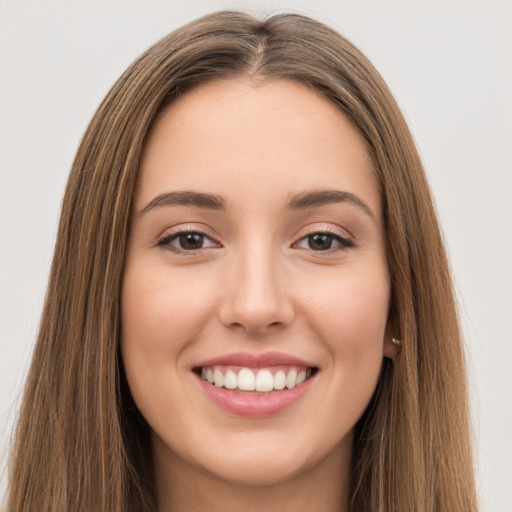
{"x":256,"y":297}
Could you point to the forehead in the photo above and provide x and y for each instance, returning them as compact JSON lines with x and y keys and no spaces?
{"x":247,"y":140}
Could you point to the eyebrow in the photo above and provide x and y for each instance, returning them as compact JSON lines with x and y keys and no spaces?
{"x":317,"y":198}
{"x":187,"y":198}
{"x":302,"y":201}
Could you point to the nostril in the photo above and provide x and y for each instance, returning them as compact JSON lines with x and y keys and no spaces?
{"x":257,"y":328}
{"x":256,"y":307}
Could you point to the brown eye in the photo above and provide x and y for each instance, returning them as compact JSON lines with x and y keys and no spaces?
{"x":186,"y":241}
{"x":323,"y":242}
{"x":191,"y":241}
{"x":320,"y":241}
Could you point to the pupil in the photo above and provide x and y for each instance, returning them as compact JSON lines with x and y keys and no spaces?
{"x":191,"y":241}
{"x":320,"y":241}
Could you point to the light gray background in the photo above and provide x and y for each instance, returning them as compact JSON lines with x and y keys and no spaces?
{"x":450,"y":66}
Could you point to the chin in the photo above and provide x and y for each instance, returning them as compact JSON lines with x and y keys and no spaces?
{"x":263,"y":470}
{"x":264,"y":458}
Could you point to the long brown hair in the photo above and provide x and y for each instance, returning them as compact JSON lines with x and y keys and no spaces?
{"x":81,"y":444}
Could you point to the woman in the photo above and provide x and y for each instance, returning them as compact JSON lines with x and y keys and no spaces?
{"x":249,"y":304}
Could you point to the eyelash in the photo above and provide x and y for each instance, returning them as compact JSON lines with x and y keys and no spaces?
{"x":165,"y":241}
{"x":344,"y":242}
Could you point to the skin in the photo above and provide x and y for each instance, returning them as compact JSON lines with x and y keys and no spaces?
{"x":255,"y":285}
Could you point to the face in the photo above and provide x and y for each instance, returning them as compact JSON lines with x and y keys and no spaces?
{"x":256,"y":288}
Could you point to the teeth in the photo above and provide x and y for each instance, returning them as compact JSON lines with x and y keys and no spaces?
{"x":230,"y":380}
{"x":291,"y":378}
{"x":261,"y":380}
{"x":218,"y":378}
{"x":279,"y":380}
{"x":264,"y":381}
{"x":246,"y":380}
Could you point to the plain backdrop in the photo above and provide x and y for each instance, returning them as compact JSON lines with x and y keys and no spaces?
{"x":449,"y":65}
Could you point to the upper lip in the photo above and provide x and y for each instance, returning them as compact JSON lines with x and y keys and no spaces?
{"x":255,"y":360}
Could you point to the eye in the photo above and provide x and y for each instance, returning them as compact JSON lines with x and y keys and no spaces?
{"x":186,"y":241}
{"x":324,"y":241}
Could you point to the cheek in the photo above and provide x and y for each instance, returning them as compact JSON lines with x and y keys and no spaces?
{"x":160,"y":310}
{"x":349,"y":316}
{"x":162,"y":314}
{"x":351,"y":309}
{"x":345,"y":315}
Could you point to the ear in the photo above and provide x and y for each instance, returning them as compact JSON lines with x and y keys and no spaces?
{"x":390,"y":347}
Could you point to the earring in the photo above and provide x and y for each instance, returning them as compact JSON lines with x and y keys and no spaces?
{"x":396,"y":342}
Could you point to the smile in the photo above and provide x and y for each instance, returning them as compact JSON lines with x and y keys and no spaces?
{"x":255,"y":386}
{"x":252,"y":379}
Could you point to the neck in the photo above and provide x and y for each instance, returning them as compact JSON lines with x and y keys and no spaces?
{"x":322,"y":487}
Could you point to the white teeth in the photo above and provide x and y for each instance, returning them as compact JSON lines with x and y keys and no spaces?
{"x":246,"y":380}
{"x":279,"y":380}
{"x":218,"y":378}
{"x":230,"y":380}
{"x":291,"y":378}
{"x":255,"y":380}
{"x":264,"y":381}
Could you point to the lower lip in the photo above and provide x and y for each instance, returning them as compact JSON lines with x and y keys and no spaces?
{"x":255,"y":406}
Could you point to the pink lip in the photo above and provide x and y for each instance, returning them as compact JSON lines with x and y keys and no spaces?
{"x":256,"y":360}
{"x":255,"y":405}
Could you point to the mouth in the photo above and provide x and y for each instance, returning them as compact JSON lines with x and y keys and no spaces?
{"x":255,"y":380}
{"x":255,"y":386}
